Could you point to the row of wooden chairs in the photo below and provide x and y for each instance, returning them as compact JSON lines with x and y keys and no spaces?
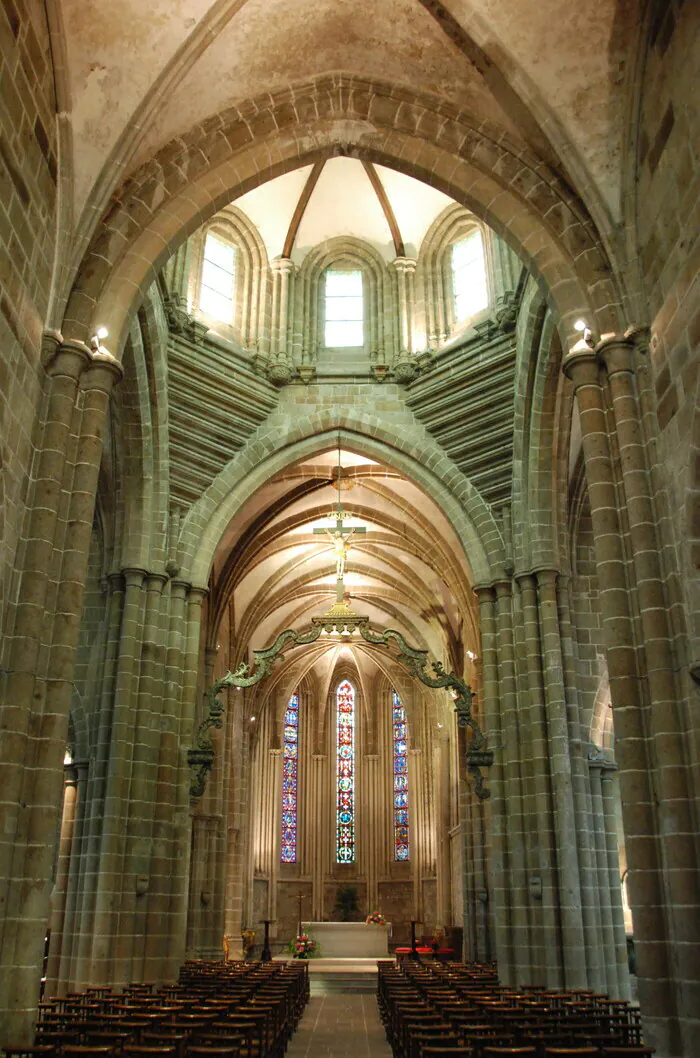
{"x":461,"y":1009}
{"x":231,"y":1010}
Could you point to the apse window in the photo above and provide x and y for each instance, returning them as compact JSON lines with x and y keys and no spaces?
{"x":469,"y":277}
{"x":400,"y":743}
{"x":345,"y":774}
{"x":218,"y":277}
{"x":344,"y":325}
{"x":290,"y":780}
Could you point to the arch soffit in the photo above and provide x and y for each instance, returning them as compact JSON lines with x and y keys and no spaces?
{"x":277,"y":445}
{"x":196,"y":176}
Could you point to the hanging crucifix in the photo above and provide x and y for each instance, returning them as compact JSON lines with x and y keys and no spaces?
{"x":339,"y":537}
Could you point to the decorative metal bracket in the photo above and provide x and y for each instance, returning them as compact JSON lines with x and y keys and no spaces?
{"x":340,"y":618}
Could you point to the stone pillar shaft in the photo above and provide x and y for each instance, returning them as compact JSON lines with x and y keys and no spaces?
{"x":496,"y":810}
{"x":557,"y":732}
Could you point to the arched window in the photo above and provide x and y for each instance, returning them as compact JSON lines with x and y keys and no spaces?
{"x":216,"y":290}
{"x":290,"y":766}
{"x":344,"y":308}
{"x":345,"y":774}
{"x":400,"y":750}
{"x":469,"y":284}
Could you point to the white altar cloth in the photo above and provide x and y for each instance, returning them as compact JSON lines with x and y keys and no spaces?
{"x":349,"y":940}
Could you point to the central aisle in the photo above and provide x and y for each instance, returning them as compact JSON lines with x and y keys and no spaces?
{"x":340,"y":1026}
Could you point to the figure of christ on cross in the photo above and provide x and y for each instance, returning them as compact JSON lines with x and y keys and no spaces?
{"x":340,"y":539}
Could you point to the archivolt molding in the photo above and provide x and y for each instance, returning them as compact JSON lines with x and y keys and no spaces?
{"x":190,"y":180}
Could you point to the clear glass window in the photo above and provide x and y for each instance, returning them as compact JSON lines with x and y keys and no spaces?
{"x":344,"y":309}
{"x":218,"y":277}
{"x":469,"y":276}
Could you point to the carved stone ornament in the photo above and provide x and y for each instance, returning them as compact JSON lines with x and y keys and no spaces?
{"x":279,"y":373}
{"x":405,"y":370}
{"x":340,"y":618}
{"x":506,"y":312}
{"x":180,"y":322}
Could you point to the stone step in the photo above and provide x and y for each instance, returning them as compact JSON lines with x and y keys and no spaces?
{"x":324,"y":984}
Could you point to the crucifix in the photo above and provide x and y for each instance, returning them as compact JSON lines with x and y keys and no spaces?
{"x":339,"y":537}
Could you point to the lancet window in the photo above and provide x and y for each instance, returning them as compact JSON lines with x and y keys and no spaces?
{"x":400,"y":751}
{"x":471,"y":293}
{"x":345,"y":773}
{"x":218,"y":278}
{"x":344,"y":309}
{"x":290,"y":776}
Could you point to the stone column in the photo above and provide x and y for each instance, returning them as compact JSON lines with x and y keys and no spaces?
{"x":676,"y":828}
{"x":546,"y":948}
{"x":568,"y":878}
{"x":517,"y":878}
{"x":320,"y":798}
{"x":60,"y":889}
{"x":582,"y":796}
{"x":274,"y":831}
{"x":405,"y":268}
{"x":496,"y":805}
{"x":64,"y":969}
{"x":645,"y":884}
{"x":372,"y":809}
{"x":182,"y":822}
{"x":607,"y":780}
{"x":607,"y":933}
{"x":46,"y":715}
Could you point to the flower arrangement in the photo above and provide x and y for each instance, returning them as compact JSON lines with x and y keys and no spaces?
{"x":303,"y":946}
{"x":376,"y":918}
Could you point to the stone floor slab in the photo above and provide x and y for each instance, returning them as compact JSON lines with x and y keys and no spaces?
{"x":340,"y":1026}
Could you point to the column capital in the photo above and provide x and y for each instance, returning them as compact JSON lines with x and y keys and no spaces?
{"x":64,"y":357}
{"x":404,"y":264}
{"x":196,"y":593}
{"x":103,"y":371}
{"x":504,"y":589}
{"x":484,"y":592}
{"x":581,"y":364}
{"x":616,"y":353}
{"x":134,"y":576}
{"x":282,"y":264}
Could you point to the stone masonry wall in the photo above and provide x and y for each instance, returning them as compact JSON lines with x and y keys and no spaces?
{"x":27,"y":207}
{"x":668,"y":221}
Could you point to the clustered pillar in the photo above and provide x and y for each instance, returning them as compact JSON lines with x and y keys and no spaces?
{"x":649,"y":730}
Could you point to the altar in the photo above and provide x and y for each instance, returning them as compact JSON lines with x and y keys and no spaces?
{"x":350,"y":940}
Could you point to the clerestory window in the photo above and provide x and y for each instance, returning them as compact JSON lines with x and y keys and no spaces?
{"x":344,"y":309}
{"x":469,"y":284}
{"x":218,"y":278}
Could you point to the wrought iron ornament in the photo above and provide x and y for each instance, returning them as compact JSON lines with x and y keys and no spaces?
{"x":340,"y":618}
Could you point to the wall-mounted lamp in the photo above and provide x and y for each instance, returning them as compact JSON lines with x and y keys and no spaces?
{"x":584,"y":330}
{"x":99,"y":336}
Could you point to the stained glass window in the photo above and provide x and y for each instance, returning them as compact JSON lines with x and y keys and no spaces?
{"x":400,"y":746}
{"x":345,"y":774}
{"x":290,"y":764}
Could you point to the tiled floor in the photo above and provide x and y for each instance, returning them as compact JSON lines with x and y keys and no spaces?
{"x":340,"y":1026}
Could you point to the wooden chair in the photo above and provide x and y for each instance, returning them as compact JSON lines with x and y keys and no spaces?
{"x":627,"y":1052}
{"x":30,"y":1052}
{"x":568,"y":1052}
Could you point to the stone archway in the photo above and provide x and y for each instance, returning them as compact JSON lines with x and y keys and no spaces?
{"x":233,"y":152}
